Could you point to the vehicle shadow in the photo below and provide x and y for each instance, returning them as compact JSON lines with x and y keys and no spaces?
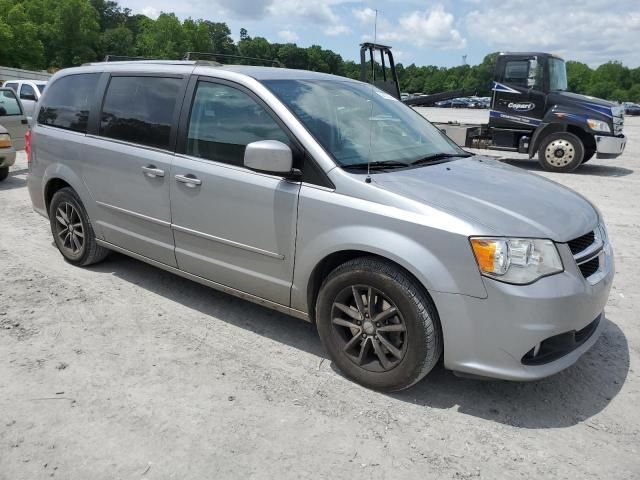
{"x":14,"y":180}
{"x":565,"y":399}
{"x":592,"y":169}
{"x":568,"y":398}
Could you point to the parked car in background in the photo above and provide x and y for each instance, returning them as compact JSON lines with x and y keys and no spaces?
{"x":327,"y":199}
{"x":13,"y":127}
{"x":7,"y":153}
{"x":12,"y":117}
{"x":631,"y":108}
{"x":29,"y":92}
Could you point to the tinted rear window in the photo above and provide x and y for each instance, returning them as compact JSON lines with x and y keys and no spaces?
{"x":140,"y":110}
{"x":67,"y":102}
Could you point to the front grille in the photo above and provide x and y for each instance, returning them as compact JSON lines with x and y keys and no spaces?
{"x":580,"y":244}
{"x":618,"y":125}
{"x":590,"y":267}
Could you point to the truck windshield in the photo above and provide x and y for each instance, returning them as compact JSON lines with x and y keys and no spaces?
{"x":357,"y":123}
{"x":557,"y":74}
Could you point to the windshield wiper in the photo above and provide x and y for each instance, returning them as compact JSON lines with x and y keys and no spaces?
{"x":436,"y":157}
{"x":380,"y":165}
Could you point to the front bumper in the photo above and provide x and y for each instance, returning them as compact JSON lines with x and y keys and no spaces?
{"x":7,"y":157}
{"x":610,"y":147}
{"x":490,"y":337}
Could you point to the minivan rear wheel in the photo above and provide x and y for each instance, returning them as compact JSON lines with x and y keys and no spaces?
{"x":4,"y":173}
{"x":72,"y":231}
{"x":378,"y":325}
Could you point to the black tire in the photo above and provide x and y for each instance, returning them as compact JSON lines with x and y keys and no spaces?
{"x":69,"y":221}
{"x":413,"y":352}
{"x":588,"y":154}
{"x":561,"y":152}
{"x":4,"y":173}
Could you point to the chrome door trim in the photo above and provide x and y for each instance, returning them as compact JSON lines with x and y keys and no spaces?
{"x":157,"y":221}
{"x":224,"y":241}
{"x":217,"y":286}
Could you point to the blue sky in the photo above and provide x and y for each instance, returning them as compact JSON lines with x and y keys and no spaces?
{"x":426,"y":32}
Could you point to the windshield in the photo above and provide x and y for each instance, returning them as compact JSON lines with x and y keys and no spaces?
{"x":357,"y":123}
{"x":557,"y":74}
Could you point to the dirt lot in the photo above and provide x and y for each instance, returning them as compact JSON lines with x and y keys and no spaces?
{"x":123,"y":371}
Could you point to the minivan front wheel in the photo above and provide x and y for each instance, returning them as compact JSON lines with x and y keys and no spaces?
{"x":72,"y":230}
{"x":377,"y":324}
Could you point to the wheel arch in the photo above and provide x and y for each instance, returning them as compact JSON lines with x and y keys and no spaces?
{"x":58,"y":176}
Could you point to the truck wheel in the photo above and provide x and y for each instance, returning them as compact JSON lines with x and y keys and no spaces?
{"x":72,"y":231}
{"x":379,"y":327}
{"x":588,"y":154}
{"x":4,"y":173}
{"x":561,"y":152}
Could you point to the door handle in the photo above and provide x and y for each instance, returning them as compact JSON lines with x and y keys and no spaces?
{"x":152,"y":172}
{"x":24,"y":121}
{"x":189,"y":180}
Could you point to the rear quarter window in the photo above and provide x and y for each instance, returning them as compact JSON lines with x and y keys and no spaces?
{"x":66,"y":104}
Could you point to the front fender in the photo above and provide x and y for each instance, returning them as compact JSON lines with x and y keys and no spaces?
{"x":558,"y":119}
{"x":441,"y":260}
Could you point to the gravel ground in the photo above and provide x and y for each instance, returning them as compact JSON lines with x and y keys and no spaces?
{"x":123,"y":371}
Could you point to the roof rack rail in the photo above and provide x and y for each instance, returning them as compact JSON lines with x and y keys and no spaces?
{"x":215,"y":56}
{"x":125,"y":58}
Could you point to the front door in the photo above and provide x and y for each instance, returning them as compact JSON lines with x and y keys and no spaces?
{"x":518,"y":99}
{"x":12,"y":117}
{"x":127,"y":164}
{"x":231,"y":225}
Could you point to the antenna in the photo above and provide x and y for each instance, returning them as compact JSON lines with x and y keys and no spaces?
{"x":373,"y":70}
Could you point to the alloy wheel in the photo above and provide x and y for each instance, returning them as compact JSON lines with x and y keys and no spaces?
{"x":69,"y":230}
{"x":369,"y":328}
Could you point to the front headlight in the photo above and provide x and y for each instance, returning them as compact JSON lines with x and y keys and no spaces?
{"x":598,"y":125}
{"x":5,"y":140}
{"x":516,"y":260}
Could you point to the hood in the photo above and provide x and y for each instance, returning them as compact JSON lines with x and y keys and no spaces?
{"x":507,"y":200}
{"x":581,"y":101}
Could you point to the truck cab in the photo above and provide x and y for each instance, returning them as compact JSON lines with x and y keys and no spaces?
{"x":532,"y":112}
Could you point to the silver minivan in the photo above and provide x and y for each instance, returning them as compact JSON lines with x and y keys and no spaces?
{"x":329,"y":200}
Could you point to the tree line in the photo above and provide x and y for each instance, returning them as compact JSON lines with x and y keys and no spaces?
{"x":53,"y":34}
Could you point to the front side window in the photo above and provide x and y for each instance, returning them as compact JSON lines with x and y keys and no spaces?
{"x":224,"y":120}
{"x":41,"y":86}
{"x":66,"y":104}
{"x":525,"y":73}
{"x":27,"y":92}
{"x":140,"y":110}
{"x":357,"y":123}
{"x":9,"y":104}
{"x":557,"y":75}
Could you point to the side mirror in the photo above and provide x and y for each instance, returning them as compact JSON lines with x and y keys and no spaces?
{"x":269,"y":156}
{"x":28,"y":96}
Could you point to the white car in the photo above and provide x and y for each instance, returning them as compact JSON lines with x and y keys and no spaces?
{"x":13,"y":127}
{"x":29,"y":92}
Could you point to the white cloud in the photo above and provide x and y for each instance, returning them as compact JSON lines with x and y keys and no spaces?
{"x":593,"y":32}
{"x":288,"y":35}
{"x":430,"y":28}
{"x":335,"y":30}
{"x":150,"y":12}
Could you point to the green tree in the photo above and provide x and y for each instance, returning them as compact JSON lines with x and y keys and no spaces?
{"x":162,"y":38}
